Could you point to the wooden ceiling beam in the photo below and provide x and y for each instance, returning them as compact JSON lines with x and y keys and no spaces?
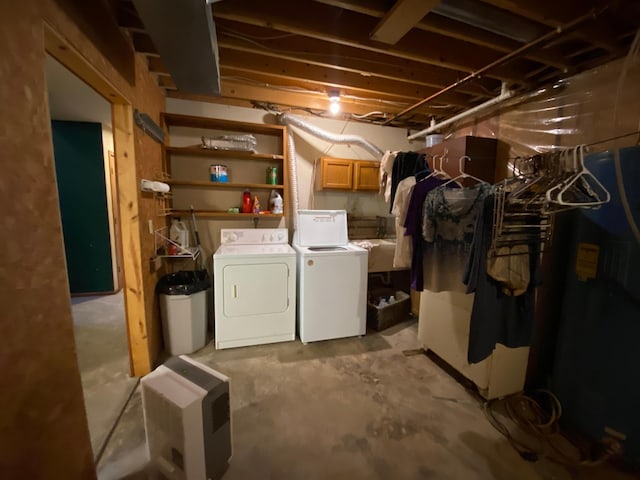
{"x":349,"y":59}
{"x":157,"y":66}
{"x":451,"y":28}
{"x":128,"y":18}
{"x":329,"y":78}
{"x":240,"y":91}
{"x":477,"y":36}
{"x":167,"y":83}
{"x":402,"y":17}
{"x":351,"y":29}
{"x":98,"y":22}
{"x":142,"y":44}
{"x":415,"y":122}
{"x":294,"y":77}
{"x":554,"y":14}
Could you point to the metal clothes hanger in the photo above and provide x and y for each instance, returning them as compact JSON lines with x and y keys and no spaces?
{"x":584,"y":181}
{"x":437,"y":171}
{"x":463,"y":174}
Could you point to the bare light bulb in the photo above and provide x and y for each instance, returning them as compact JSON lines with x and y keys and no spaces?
{"x":334,"y":107}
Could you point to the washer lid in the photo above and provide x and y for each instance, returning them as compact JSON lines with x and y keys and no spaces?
{"x":322,"y":228}
{"x":347,"y":249}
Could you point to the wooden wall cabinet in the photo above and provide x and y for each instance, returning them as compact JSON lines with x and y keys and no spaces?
{"x":367,"y":175}
{"x":186,"y":166}
{"x":347,"y":174}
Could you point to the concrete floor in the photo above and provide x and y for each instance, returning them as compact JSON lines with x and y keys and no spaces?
{"x":347,"y":409}
{"x":103,"y":357}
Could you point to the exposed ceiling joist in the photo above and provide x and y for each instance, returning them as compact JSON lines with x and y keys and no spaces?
{"x":240,"y":91}
{"x":553,"y":14}
{"x":288,"y":54}
{"x":325,"y":80}
{"x":454,"y":29}
{"x":401,"y":18}
{"x":338,"y":57}
{"x":351,"y":29}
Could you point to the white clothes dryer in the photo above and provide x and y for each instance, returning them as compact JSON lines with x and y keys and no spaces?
{"x":332,"y":277}
{"x":254,"y":288}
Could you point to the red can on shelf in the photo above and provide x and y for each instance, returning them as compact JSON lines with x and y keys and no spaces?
{"x":247,"y":206}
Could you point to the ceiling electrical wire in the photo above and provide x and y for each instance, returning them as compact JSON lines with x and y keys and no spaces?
{"x":368,"y":115}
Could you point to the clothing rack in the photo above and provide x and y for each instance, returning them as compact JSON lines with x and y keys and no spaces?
{"x":543,"y":185}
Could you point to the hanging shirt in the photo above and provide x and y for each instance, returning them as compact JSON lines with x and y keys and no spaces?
{"x":405,"y":165}
{"x":496,"y":317}
{"x":402,"y":254}
{"x":413,"y":225}
{"x":449,"y":217}
{"x":386,"y":167}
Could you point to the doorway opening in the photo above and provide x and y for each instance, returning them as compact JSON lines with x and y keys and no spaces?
{"x":85,"y":174}
{"x":110,"y":330}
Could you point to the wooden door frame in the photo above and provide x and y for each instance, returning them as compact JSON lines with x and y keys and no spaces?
{"x":115,"y":212}
{"x":128,"y":230}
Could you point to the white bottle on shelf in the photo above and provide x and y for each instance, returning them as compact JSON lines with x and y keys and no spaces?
{"x":179,"y":233}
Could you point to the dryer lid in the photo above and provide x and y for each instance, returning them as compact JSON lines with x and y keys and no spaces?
{"x":322,"y":228}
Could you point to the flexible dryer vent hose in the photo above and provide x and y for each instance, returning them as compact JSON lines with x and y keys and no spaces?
{"x":290,"y":120}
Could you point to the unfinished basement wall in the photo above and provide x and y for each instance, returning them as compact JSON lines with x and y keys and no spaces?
{"x":43,"y":429}
{"x":308,"y":149}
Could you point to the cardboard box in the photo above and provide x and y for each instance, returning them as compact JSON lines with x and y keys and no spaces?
{"x":381,"y":317}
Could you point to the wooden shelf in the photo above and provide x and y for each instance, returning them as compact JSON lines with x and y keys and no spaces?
{"x":214,"y":213}
{"x":196,"y":188}
{"x":201,"y":184}
{"x":211,"y":152}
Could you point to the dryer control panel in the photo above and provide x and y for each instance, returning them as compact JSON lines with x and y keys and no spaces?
{"x":254,"y":236}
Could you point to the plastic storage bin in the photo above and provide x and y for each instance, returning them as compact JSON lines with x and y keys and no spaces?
{"x":183,"y":309}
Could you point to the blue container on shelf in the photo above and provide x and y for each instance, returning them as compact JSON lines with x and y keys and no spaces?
{"x":218,"y":173}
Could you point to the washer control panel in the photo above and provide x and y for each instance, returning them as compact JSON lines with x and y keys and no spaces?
{"x":254,"y":236}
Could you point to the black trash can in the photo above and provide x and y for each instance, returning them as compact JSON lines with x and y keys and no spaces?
{"x":183,"y":309}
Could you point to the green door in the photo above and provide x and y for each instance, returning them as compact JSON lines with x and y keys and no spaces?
{"x":82,"y":192}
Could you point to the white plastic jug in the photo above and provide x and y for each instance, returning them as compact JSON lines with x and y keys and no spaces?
{"x":275,"y":202}
{"x":179,"y":233}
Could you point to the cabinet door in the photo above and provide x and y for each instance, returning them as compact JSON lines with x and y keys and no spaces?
{"x":336,"y":174}
{"x":367,"y":175}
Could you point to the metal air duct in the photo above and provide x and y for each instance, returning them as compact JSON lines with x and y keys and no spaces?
{"x":184,"y":34}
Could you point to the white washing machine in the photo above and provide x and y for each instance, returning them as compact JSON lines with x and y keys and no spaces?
{"x":332,"y":277}
{"x":254,"y":287}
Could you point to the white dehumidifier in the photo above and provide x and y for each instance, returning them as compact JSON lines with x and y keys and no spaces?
{"x":187,"y":420}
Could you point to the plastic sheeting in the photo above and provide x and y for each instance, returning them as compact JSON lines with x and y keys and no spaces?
{"x":579,"y":110}
{"x":599,"y":108}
